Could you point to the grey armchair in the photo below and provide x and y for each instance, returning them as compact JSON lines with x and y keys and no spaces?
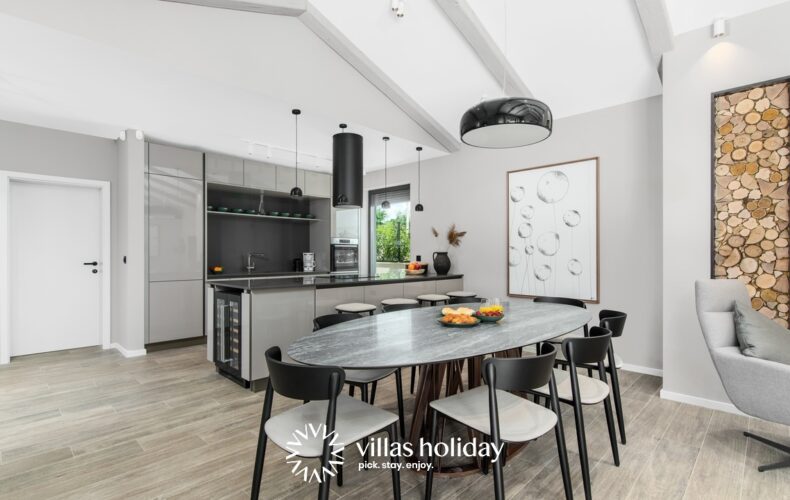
{"x":756,"y":387}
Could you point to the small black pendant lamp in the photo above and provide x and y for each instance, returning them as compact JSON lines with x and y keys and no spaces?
{"x":386,"y":203}
{"x":296,"y":191}
{"x":418,"y":207}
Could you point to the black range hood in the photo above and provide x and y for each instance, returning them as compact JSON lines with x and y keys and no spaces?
{"x":346,"y":169}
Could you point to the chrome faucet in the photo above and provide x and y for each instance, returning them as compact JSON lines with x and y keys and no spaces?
{"x":250,"y":260}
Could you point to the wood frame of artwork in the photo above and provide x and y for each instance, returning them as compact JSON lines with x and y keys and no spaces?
{"x":597,"y":265}
{"x":715,"y":163}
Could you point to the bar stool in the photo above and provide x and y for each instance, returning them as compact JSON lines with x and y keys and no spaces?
{"x":397,"y":301}
{"x":398,"y":307}
{"x":461,"y":294}
{"x":433,"y":298}
{"x":356,"y":307}
{"x":466,"y":300}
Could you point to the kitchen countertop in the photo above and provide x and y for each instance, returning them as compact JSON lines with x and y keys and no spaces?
{"x":263,"y":275}
{"x":330,"y":282}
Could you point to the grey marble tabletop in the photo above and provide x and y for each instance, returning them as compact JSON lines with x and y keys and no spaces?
{"x":415,"y":337}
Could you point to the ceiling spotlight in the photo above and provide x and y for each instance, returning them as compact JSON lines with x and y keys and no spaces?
{"x":719,"y":27}
{"x":394,"y":5}
{"x":401,"y":10}
{"x":249,"y":148}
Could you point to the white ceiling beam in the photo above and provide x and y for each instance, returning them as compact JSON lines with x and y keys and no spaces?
{"x":337,"y":41}
{"x":274,"y":7}
{"x":470,"y":27}
{"x":658,"y":30}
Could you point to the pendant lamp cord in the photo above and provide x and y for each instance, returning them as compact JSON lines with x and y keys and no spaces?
{"x":385,"y":171}
{"x":504,"y":63}
{"x":419,"y":178}
{"x":296,"y":151}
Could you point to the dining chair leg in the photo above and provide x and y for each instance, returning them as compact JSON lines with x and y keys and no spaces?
{"x":260,"y":452}
{"x":432,"y":461}
{"x":373,"y":391}
{"x":392,"y":433}
{"x":413,"y":376}
{"x":499,"y":482}
{"x":618,"y":402}
{"x":607,"y":404}
{"x":339,"y":477}
{"x":581,"y":437}
{"x":399,"y":392}
{"x":351,"y":390}
{"x":364,"y":390}
{"x":562,"y":451}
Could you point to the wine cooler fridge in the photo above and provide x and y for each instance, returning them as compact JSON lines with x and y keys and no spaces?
{"x":229,"y":336}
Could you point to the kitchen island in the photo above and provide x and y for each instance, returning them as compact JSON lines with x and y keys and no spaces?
{"x":247,"y":316}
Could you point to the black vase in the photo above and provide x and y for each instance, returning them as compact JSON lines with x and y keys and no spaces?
{"x":441,"y":263}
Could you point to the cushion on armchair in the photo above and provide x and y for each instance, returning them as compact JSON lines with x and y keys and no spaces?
{"x":760,"y":337}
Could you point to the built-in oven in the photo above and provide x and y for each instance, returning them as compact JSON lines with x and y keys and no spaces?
{"x":344,"y":256}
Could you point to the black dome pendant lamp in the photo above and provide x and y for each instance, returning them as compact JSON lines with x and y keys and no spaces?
{"x":418,"y":207}
{"x":296,"y":191}
{"x":386,"y":203}
{"x":507,"y":122}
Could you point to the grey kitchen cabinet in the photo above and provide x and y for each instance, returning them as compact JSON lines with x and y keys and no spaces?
{"x":175,"y":310}
{"x":327,"y":298}
{"x":414,"y":289}
{"x":444,"y":286}
{"x":287,"y":179}
{"x":175,"y":228}
{"x":345,"y":222}
{"x":224,"y":169}
{"x":317,"y":184}
{"x":374,"y":294}
{"x":173,"y":161}
{"x":260,"y":175}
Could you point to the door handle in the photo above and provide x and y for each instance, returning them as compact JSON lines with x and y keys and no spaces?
{"x":94,"y":263}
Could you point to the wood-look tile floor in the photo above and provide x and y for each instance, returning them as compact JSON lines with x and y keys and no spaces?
{"x":90,"y":424}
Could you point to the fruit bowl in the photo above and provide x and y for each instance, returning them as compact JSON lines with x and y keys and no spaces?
{"x":414,"y":272}
{"x":488,"y":319}
{"x":451,"y":322}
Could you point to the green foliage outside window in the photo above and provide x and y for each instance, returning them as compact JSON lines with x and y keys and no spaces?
{"x":393,"y":239}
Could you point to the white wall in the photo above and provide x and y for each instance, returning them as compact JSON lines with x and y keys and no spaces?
{"x":697,"y":67}
{"x":129,"y":321}
{"x":469,"y":188}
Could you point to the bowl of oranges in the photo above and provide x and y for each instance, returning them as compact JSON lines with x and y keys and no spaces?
{"x":490,"y":313}
{"x":416,"y":268}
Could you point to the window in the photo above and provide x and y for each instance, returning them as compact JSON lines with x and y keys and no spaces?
{"x":390,"y":236}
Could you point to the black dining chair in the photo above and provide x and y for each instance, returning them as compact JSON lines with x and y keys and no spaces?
{"x":578,"y":390}
{"x":398,"y":307}
{"x":614,"y":321}
{"x":364,"y":378}
{"x":346,"y":420}
{"x":466,"y":300}
{"x":510,"y":418}
{"x":566,"y":301}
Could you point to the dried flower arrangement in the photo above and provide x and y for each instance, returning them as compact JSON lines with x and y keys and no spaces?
{"x":454,"y":236}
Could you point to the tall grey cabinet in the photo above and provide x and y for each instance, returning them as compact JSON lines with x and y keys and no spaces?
{"x":175,"y":241}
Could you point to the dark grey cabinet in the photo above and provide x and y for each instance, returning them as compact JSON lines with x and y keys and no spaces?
{"x":317,"y":184}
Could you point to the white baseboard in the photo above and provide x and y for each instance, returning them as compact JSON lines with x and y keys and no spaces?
{"x":127,"y":353}
{"x":656,"y":372}
{"x":705,"y":403}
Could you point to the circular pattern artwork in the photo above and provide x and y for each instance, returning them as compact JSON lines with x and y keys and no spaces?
{"x":552,"y":186}
{"x":525,"y":230}
{"x":517,"y":194}
{"x":549,"y":243}
{"x":571,"y":218}
{"x":543,"y":272}
{"x":575,"y":267}
{"x":529,"y":249}
{"x":514,"y":256}
{"x":528,"y":211}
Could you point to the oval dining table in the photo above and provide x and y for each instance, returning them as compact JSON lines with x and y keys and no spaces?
{"x":415,"y":337}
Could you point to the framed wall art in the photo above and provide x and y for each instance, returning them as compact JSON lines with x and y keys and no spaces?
{"x":553,"y":231}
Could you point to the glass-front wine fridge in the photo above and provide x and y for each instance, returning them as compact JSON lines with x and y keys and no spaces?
{"x":229,"y":335}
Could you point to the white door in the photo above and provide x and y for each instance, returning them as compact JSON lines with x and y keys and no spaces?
{"x":54,"y":296}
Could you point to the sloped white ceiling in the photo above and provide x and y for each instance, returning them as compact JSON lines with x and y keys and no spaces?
{"x":687,"y":15}
{"x":190,"y":75}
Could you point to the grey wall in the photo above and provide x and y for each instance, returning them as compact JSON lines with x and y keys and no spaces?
{"x":25,"y":148}
{"x":697,"y":67}
{"x":469,"y":188}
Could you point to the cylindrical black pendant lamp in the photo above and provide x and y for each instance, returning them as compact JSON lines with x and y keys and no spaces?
{"x":346,"y":169}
